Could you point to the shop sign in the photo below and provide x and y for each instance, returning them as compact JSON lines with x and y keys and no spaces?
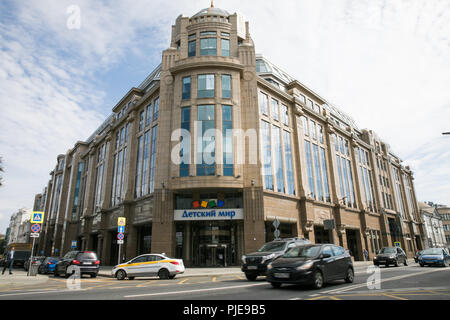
{"x":208,"y":214}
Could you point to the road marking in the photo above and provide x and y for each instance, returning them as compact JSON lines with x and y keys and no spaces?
{"x":392,"y":296}
{"x":381,"y":281}
{"x":214,"y":279}
{"x":37,"y":292}
{"x":183,"y":281}
{"x":334,"y":298}
{"x":194,"y":291}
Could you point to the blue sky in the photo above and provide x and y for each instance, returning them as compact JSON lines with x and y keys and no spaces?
{"x":384,"y":62}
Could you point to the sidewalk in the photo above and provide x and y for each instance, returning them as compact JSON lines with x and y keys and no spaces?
{"x":19,"y":278}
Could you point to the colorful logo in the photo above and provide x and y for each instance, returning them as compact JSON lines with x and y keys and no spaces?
{"x":208,"y":204}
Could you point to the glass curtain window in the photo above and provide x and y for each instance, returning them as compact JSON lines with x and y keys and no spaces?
{"x":156,"y":109}
{"x":153,"y":159}
{"x":309,"y":166}
{"x":77,"y":191}
{"x":278,"y":163}
{"x":192,"y":48}
{"x":341,"y":178}
{"x":225,"y":44}
{"x":56,"y":195}
{"x":138,"y":183}
{"x":325,"y":175}
{"x":226,"y":86}
{"x":275,"y":110}
{"x":317,"y":172}
{"x":263,"y":103}
{"x":206,"y":144}
{"x":284,"y":114}
{"x":185,"y":153}
{"x":186,"y":92}
{"x":289,"y":166}
{"x":206,"y":86}
{"x":208,"y":47}
{"x":305,"y":126}
{"x":145,"y":163}
{"x":352,"y":189}
{"x":313,"y":130}
{"x":267,"y":155}
{"x":141,"y":120}
{"x":227,"y":126}
{"x":398,"y":192}
{"x":148,"y":119}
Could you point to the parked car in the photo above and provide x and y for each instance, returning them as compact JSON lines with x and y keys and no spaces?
{"x":417,"y":255}
{"x":36,"y":261}
{"x":390,"y":256}
{"x":20,"y":257}
{"x":149,"y":265}
{"x":255,"y":264}
{"x":48,"y":265}
{"x":86,"y":261}
{"x":311,"y":265}
{"x":434,"y":256}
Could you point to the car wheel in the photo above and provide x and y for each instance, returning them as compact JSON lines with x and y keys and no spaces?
{"x":172,"y":277}
{"x":121,"y":275}
{"x":317,"y":280}
{"x":406,"y":262}
{"x":350,"y":276}
{"x":251,"y":276}
{"x":275,"y":284}
{"x":396,"y":263}
{"x":421,"y":265}
{"x":93,"y":275}
{"x":130,"y":278}
{"x":163,"y":274}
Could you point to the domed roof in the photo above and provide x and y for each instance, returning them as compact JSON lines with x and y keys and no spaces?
{"x":212,"y":11}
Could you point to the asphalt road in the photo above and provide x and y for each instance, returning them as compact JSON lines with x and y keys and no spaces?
{"x":401,"y":283}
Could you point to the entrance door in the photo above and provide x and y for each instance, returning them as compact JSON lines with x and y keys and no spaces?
{"x":213,"y":255}
{"x":321,"y":235}
{"x":352,"y":243}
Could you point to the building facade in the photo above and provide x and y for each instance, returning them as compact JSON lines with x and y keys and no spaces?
{"x":19,"y":227}
{"x":444,"y":212}
{"x":212,"y":147}
{"x":433,"y":226}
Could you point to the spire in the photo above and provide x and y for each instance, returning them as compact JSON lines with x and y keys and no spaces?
{"x":212,"y":3}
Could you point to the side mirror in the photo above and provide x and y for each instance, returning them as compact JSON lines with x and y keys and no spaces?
{"x":325,"y":255}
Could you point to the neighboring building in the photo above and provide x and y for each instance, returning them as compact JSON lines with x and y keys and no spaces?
{"x":19,"y":226}
{"x":434,"y":227}
{"x":294,"y":157}
{"x":444,"y":212}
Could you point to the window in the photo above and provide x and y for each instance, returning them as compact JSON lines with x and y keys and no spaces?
{"x":275,"y":110}
{"x":284,"y":115}
{"x":263,"y":103}
{"x":186,"y":92}
{"x":99,"y":178}
{"x":146,"y":158}
{"x":325,"y":175}
{"x":206,"y":142}
{"x":185,"y":150}
{"x":225,"y":34}
{"x":76,"y":199}
{"x":267,"y":155}
{"x":208,"y":33}
{"x":208,"y":47}
{"x":192,"y":36}
{"x":120,"y":158}
{"x":289,"y":166}
{"x":366,"y":178}
{"x":310,"y":104}
{"x":305,"y":126}
{"x":345,"y":172}
{"x":149,"y":116}
{"x":156,"y":109}
{"x":225,"y":44}
{"x":206,"y":86}
{"x":227,"y":126}
{"x":313,"y":130}
{"x":226,"y":86}
{"x":138,"y":183}
{"x":153,"y":159}
{"x":309,"y":166}
{"x":278,"y":157}
{"x":192,"y":48}
{"x":141,"y":120}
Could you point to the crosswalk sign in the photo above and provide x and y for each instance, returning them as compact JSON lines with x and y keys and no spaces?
{"x":37,"y":217}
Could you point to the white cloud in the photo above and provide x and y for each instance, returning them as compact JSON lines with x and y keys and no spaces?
{"x":384,"y":62}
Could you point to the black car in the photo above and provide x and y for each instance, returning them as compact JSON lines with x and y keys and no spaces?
{"x":86,"y":261}
{"x":255,"y":264}
{"x":311,"y":265}
{"x":390,"y":256}
{"x":36,"y":261}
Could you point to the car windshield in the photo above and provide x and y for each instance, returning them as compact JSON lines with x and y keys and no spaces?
{"x":387,"y":250}
{"x":53,"y":260}
{"x":432,"y":251}
{"x":303,"y":252}
{"x":273,"y":246}
{"x":87,"y":256}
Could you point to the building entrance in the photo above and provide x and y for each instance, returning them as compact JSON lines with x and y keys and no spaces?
{"x":321,"y":235}
{"x":214,"y":255}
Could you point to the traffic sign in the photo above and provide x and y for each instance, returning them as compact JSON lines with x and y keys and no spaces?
{"x":35,"y":228}
{"x":34,"y":235}
{"x":121,"y":221}
{"x":119,"y":241}
{"x":397,"y":244}
{"x":120,"y":236}
{"x":37,"y":217}
{"x":276,"y":233}
{"x":74,"y":244}
{"x":120,"y":229}
{"x":276,"y":223}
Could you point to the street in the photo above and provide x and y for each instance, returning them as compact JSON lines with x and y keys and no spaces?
{"x":402,"y":283}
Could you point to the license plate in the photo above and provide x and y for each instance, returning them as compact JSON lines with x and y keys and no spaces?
{"x":281,"y":275}
{"x":252,"y":267}
{"x":87,"y":263}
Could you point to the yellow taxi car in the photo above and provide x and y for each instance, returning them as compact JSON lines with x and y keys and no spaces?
{"x":149,"y":265}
